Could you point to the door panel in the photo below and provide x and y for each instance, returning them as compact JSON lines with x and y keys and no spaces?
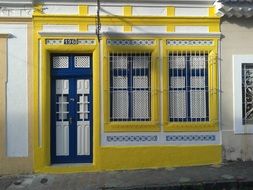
{"x":71,"y":113}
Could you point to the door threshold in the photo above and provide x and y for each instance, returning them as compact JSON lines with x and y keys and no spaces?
{"x":71,"y":164}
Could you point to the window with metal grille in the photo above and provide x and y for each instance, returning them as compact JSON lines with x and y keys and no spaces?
{"x":247,"y":93}
{"x":188,"y":86}
{"x":130,"y":86}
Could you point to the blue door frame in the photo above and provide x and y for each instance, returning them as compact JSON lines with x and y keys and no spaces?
{"x":72,"y":74}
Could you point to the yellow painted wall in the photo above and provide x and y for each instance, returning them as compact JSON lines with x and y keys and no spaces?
{"x":110,"y":158}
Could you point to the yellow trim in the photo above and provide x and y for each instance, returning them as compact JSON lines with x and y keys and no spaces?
{"x":83,"y":28}
{"x":170,"y":28}
{"x":38,"y":9}
{"x":212,"y":11}
{"x":42,"y":155}
{"x":127,"y":28}
{"x":212,"y":125}
{"x":127,"y":10}
{"x":83,"y":10}
{"x":170,"y":11}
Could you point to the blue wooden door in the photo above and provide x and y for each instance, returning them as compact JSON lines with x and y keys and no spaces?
{"x":71,"y":108}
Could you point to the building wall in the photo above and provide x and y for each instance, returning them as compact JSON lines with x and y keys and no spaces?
{"x":237,"y":40}
{"x":16,"y":118}
{"x":127,"y":145}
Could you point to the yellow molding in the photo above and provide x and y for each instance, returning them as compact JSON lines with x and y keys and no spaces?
{"x":212,"y":12}
{"x":134,"y":20}
{"x":170,"y":11}
{"x":83,"y":10}
{"x":127,"y":28}
{"x":83,"y":27}
{"x":170,"y":28}
{"x":128,"y":10}
{"x":38,"y":10}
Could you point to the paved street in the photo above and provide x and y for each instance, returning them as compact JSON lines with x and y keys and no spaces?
{"x":232,"y":175}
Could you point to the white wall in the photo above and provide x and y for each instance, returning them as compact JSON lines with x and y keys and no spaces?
{"x":237,"y":40}
{"x":17,"y":95}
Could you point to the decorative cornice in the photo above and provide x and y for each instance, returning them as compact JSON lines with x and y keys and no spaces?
{"x":25,"y":12}
{"x":154,"y":2}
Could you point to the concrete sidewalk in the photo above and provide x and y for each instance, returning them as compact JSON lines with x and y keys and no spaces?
{"x":232,"y":175}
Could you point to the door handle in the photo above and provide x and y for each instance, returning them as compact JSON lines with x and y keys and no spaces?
{"x":70,"y":120}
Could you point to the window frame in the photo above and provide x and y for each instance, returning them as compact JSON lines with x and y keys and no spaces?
{"x":188,"y":126}
{"x":238,"y":62}
{"x":153,"y":125}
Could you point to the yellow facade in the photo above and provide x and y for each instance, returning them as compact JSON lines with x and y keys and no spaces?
{"x":122,"y":157}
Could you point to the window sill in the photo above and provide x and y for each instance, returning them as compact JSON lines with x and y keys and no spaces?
{"x":191,"y":126}
{"x":132,"y":126}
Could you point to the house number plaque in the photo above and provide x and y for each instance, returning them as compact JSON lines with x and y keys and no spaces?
{"x":71,"y":41}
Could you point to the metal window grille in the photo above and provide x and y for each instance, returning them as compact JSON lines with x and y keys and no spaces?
{"x":82,"y":61}
{"x":60,"y":62}
{"x":130,"y":89}
{"x":247,"y":93}
{"x":188,"y":86}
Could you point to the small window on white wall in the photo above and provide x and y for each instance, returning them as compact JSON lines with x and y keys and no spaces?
{"x":243,"y":93}
{"x":247,"y":93}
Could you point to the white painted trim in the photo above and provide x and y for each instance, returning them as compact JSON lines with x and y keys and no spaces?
{"x":22,"y":12}
{"x":172,"y":34}
{"x":61,"y":9}
{"x":101,"y":89}
{"x":106,"y":10}
{"x":149,"y":29}
{"x":191,"y":11}
{"x":114,"y":2}
{"x":106,"y":28}
{"x":149,"y":11}
{"x":51,"y":34}
{"x":60,"y":28}
{"x":238,"y":60}
{"x":192,"y":29}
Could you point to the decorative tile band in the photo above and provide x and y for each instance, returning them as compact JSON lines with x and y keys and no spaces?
{"x":70,"y":42}
{"x":141,"y":138}
{"x":163,"y":139}
{"x":131,"y":42}
{"x":190,"y":42}
{"x":190,"y":138}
